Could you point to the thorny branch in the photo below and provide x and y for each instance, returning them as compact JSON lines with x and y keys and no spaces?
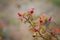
{"x":32,"y":25}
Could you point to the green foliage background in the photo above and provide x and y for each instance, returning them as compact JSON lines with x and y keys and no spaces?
{"x":55,"y":2}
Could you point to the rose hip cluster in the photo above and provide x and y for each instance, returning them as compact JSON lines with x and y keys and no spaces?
{"x":42,"y":20}
{"x":39,"y":26}
{"x":30,"y":12}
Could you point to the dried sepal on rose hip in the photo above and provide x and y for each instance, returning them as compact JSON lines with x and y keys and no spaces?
{"x":44,"y":17}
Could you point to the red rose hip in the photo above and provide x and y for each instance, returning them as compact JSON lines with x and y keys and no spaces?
{"x":50,"y":19}
{"x":32,"y":11}
{"x":41,"y":20}
{"x":19,"y":14}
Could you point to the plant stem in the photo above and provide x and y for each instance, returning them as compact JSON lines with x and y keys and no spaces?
{"x":38,"y":31}
{"x":42,"y":36}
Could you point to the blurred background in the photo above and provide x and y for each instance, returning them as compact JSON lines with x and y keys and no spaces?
{"x":15,"y":30}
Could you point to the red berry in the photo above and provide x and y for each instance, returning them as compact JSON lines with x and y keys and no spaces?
{"x":57,"y":30}
{"x":19,"y":14}
{"x":32,"y":11}
{"x":33,"y":35}
{"x":53,"y":33}
{"x":1,"y":24}
{"x":36,"y":30}
{"x":41,"y":20}
{"x":50,"y":19}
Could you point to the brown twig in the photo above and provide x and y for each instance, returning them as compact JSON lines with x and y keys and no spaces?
{"x":32,"y":25}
